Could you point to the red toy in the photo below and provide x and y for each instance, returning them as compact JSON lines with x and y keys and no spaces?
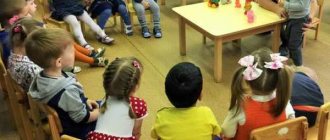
{"x":247,"y":6}
{"x":237,"y":4}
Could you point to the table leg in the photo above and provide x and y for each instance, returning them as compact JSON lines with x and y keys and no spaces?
{"x":276,"y":37}
{"x":182,"y":36}
{"x":163,"y":2}
{"x":218,"y":60}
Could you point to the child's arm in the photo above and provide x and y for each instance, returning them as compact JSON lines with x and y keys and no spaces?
{"x":137,"y":129}
{"x":229,"y":126}
{"x":271,"y":6}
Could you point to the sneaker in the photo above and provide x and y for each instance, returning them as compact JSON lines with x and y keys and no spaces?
{"x":75,"y":69}
{"x":106,"y":40}
{"x":145,"y":32}
{"x":88,"y":47}
{"x":98,"y":53}
{"x":100,"y":62}
{"x":157,"y":32}
{"x":128,"y":30}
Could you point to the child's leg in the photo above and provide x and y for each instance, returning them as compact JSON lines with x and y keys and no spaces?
{"x":156,"y":13}
{"x":296,"y":39}
{"x":103,"y":18}
{"x":125,"y":16}
{"x":83,"y":58}
{"x":140,"y":11}
{"x":156,"y":18}
{"x":82,"y":49}
{"x":89,"y":21}
{"x":76,"y":27}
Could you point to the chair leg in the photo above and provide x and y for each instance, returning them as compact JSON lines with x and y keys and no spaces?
{"x":122,"y":25}
{"x":163,"y":2}
{"x":131,"y":17}
{"x":304,"y":41}
{"x":204,"y":39}
{"x":317,"y":31}
{"x":183,"y":2}
{"x":114,"y":20}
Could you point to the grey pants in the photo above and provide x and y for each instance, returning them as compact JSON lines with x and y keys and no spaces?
{"x":140,"y":11}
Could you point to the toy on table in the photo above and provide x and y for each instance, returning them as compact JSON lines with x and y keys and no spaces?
{"x":213,"y":3}
{"x":223,"y":2}
{"x":250,"y":16}
{"x":247,"y":6}
{"x":237,"y":4}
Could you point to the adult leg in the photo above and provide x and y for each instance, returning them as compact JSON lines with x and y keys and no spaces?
{"x":295,"y":40}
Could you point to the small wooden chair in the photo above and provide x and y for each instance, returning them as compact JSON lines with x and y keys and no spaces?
{"x":55,"y":127}
{"x":292,"y":129}
{"x":18,"y":102}
{"x":320,"y":131}
{"x":46,"y":16}
{"x":183,"y":2}
{"x":316,"y":21}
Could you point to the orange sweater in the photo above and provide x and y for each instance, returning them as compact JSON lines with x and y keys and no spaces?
{"x":257,"y":115}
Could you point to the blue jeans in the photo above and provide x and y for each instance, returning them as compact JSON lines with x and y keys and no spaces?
{"x":104,"y":16}
{"x":292,"y":39}
{"x":4,"y":40}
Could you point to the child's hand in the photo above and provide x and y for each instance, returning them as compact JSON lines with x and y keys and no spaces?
{"x":282,"y":13}
{"x":146,"y":4}
{"x":92,"y":104}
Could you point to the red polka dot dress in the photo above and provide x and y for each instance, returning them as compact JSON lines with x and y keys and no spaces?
{"x":115,"y":123}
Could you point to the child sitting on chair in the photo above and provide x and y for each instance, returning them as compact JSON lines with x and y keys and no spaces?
{"x":140,"y":7}
{"x":52,"y":49}
{"x":122,"y":114}
{"x":72,"y":10}
{"x":185,"y":121}
{"x":103,"y":9}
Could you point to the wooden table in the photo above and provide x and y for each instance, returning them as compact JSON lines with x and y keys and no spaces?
{"x":225,"y":23}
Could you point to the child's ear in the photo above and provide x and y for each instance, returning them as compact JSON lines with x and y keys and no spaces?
{"x":58,"y":62}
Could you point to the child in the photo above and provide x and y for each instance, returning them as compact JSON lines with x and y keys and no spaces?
{"x":104,"y":9}
{"x":185,"y":121}
{"x":292,"y":32}
{"x":52,"y":50}
{"x":20,"y":67}
{"x":92,"y":57}
{"x":72,"y":10}
{"x":270,"y":82}
{"x":140,"y":6}
{"x":306,"y":96}
{"x":122,"y":114}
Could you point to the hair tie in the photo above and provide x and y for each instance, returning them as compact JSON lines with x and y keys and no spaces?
{"x":136,"y":64}
{"x":18,"y":28}
{"x":251,"y":72}
{"x":276,"y":62}
{"x":12,"y":20}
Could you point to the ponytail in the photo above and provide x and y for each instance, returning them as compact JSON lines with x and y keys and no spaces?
{"x":237,"y":91}
{"x":283,"y":90}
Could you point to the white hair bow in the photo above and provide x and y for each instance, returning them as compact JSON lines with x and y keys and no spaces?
{"x":251,"y":72}
{"x":276,"y":63}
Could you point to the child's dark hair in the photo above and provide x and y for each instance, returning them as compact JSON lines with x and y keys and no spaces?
{"x":270,"y":80}
{"x":20,"y":30}
{"x":183,"y":85}
{"x":120,"y":78}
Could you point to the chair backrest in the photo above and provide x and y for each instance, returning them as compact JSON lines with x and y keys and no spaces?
{"x":36,"y":117}
{"x":320,"y":11}
{"x":322,"y":121}
{"x":292,"y":129}
{"x":53,"y":121}
{"x":2,"y":78}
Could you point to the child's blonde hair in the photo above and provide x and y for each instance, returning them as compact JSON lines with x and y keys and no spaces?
{"x":270,"y":80}
{"x":21,"y":29}
{"x":120,"y":78}
{"x":45,"y":45}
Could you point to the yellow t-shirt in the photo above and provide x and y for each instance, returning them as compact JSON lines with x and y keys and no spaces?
{"x":194,"y":123}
